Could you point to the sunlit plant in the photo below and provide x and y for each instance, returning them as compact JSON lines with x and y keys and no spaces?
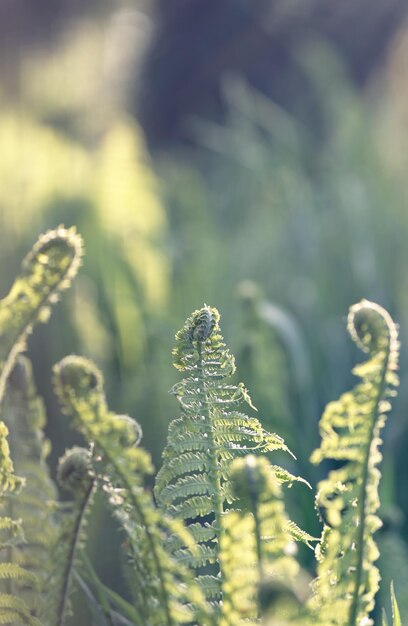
{"x":213,"y":545}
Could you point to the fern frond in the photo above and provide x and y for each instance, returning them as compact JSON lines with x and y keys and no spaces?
{"x":47,"y":270}
{"x":23,"y":413}
{"x":259,"y":540}
{"x":13,"y":610}
{"x":166,"y":594}
{"x":348,"y":499}
{"x":76,"y":475}
{"x":194,"y":480}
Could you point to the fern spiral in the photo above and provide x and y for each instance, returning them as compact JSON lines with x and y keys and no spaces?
{"x":194,"y":481}
{"x":350,"y":429}
{"x":258,"y":543}
{"x":47,"y":270}
{"x":165,"y":594}
{"x":75,"y":474}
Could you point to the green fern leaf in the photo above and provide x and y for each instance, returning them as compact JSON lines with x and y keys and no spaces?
{"x":23,"y":413}
{"x":259,"y":539}
{"x":13,"y":610}
{"x":166,"y":594}
{"x":348,"y":499}
{"x":47,"y":270}
{"x":194,"y":480}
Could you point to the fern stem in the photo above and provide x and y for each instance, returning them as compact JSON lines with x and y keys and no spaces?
{"x":71,"y":556}
{"x":214,"y":473}
{"x":363,"y":494}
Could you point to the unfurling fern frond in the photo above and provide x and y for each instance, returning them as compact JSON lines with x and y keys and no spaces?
{"x":23,"y":413}
{"x":258,"y":543}
{"x":13,"y":609}
{"x":194,"y":481}
{"x":47,"y":270}
{"x":76,"y":475}
{"x":348,"y":499}
{"x":165,"y":593}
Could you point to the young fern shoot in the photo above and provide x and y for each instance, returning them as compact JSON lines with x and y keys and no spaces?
{"x":46,"y":271}
{"x":13,"y":609}
{"x":258,"y":543}
{"x":75,"y":474}
{"x":194,"y":481}
{"x":165,"y":593}
{"x":347,"y":579}
{"x":24,"y":414}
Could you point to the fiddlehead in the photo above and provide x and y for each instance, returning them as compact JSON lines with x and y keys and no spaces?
{"x":166,"y":595}
{"x":75,"y":474}
{"x":258,"y":545}
{"x":46,"y":271}
{"x":348,"y":498}
{"x":194,"y":481}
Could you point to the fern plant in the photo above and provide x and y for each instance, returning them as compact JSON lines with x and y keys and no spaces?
{"x":215,"y":546}
{"x":164,"y":593}
{"x":194,"y":481}
{"x":46,"y":271}
{"x":265,"y":535}
{"x":75,"y":474}
{"x":348,"y":498}
{"x":23,"y":413}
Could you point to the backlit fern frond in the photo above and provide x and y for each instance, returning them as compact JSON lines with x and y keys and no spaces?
{"x":76,"y":475}
{"x":258,"y":543}
{"x":194,"y":481}
{"x":165,"y":593}
{"x":23,"y":413}
{"x":348,"y":499}
{"x":13,"y":609}
{"x":47,"y":270}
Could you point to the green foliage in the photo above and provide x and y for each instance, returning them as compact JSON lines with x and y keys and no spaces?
{"x":219,"y":548}
{"x":194,"y":481}
{"x":24,"y":414}
{"x":396,"y":618}
{"x":265,"y":535}
{"x":47,"y":270}
{"x":164,"y":594}
{"x":75,"y":474}
{"x":13,"y":609}
{"x":348,"y":499}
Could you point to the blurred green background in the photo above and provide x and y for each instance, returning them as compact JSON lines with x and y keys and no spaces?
{"x":247,"y":154}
